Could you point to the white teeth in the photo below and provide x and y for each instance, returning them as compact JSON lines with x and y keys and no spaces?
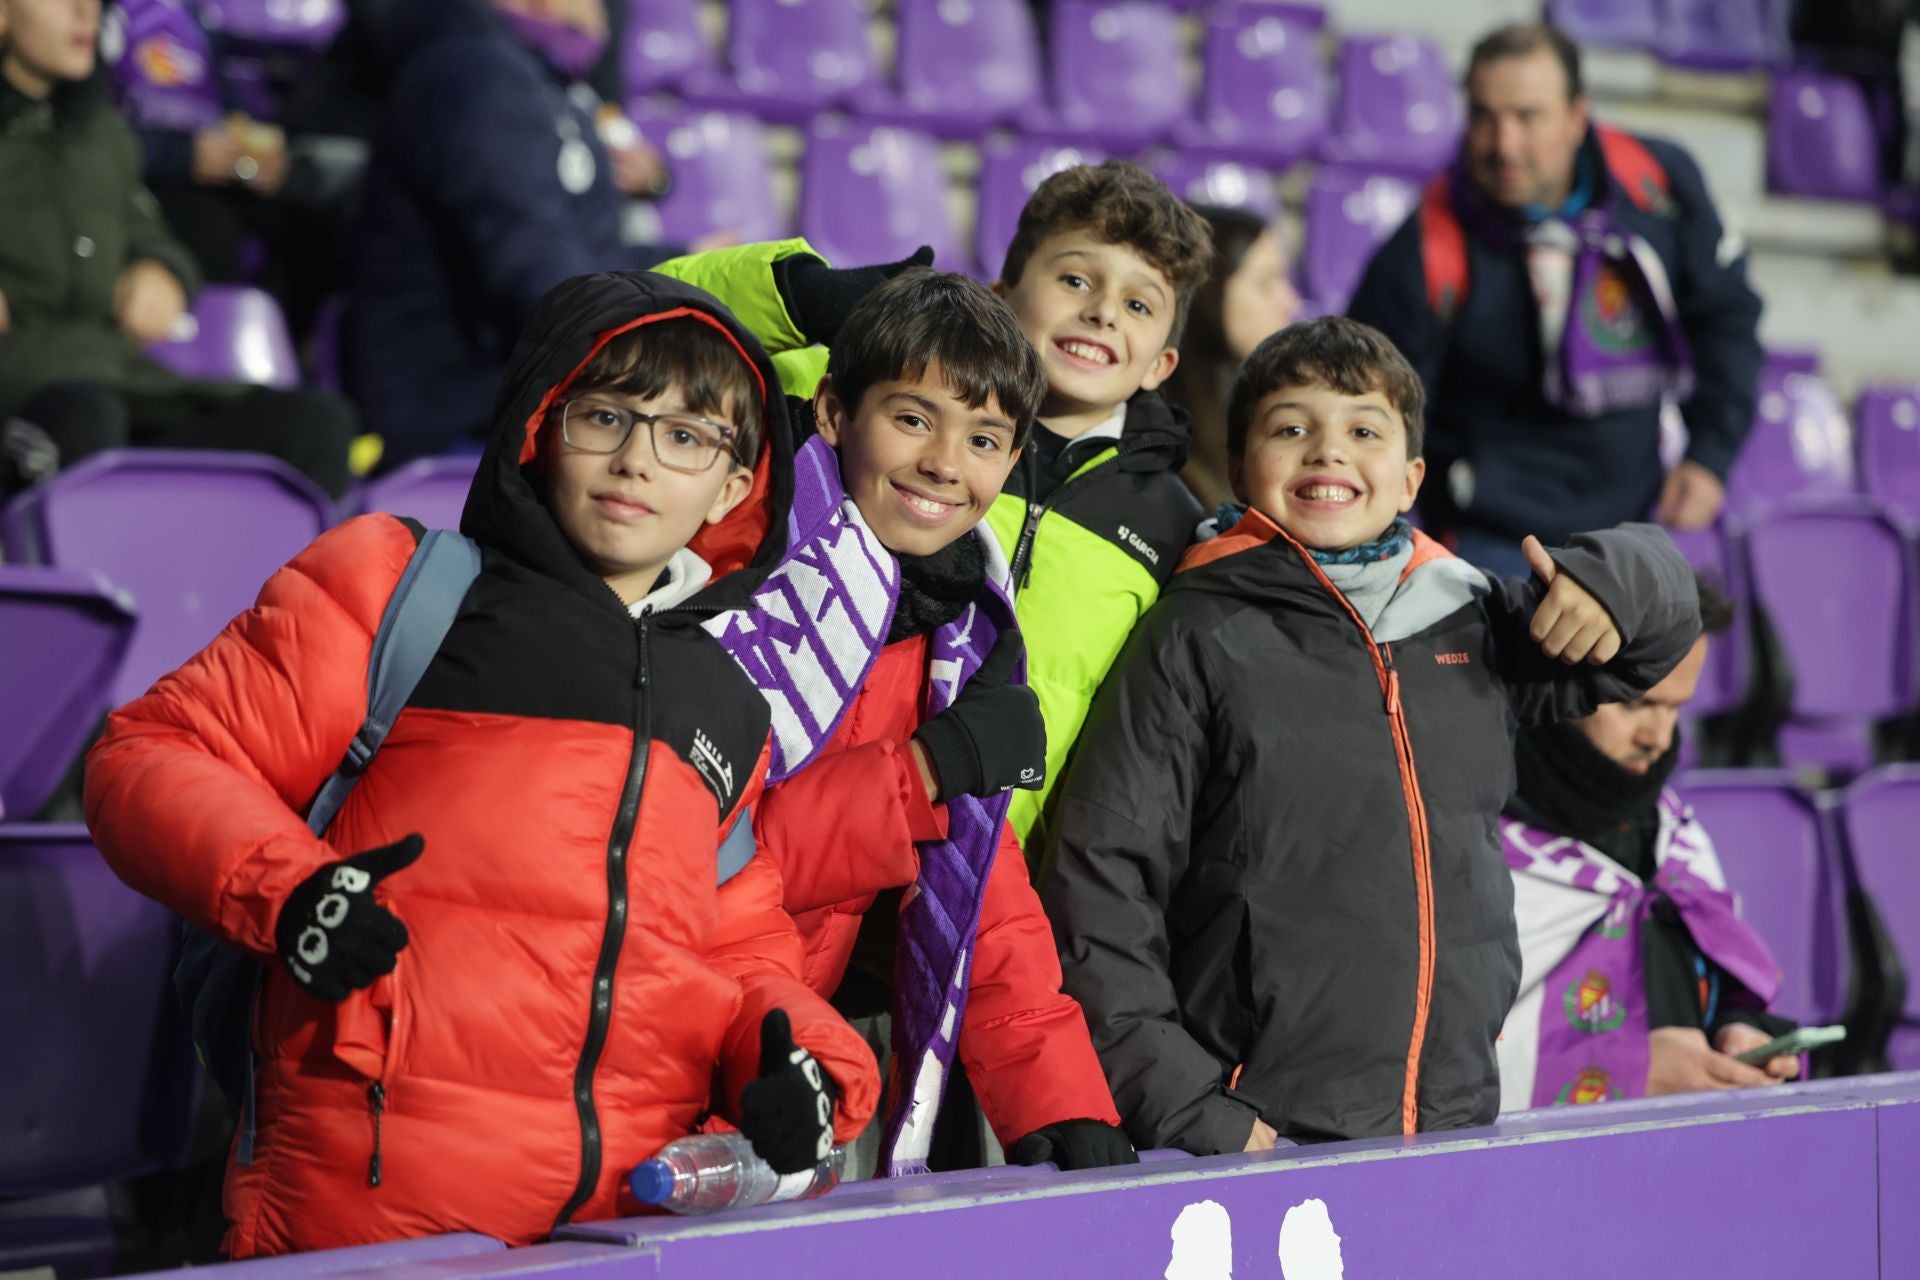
{"x":1087,"y":351}
{"x":926,"y":505}
{"x":1326,"y":492}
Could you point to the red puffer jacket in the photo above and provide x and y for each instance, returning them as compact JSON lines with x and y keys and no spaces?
{"x":576,"y":992}
{"x":843,"y":830}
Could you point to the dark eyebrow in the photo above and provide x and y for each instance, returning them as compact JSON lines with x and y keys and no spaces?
{"x":917,"y":400}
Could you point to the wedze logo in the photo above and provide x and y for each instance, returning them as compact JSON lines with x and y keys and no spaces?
{"x":1460,"y":659}
{"x":1139,"y":544}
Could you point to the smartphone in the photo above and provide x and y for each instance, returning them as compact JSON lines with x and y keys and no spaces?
{"x":1799,"y":1040}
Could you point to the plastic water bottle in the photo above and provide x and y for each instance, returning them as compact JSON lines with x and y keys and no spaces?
{"x":708,"y":1172}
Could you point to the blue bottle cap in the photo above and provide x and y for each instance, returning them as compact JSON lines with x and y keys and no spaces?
{"x":651,"y":1182}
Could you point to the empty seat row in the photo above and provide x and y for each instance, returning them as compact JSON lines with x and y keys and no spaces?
{"x":1804,"y":445}
{"x":1709,"y":35}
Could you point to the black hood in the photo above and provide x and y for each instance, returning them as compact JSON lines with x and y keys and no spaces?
{"x":1156,"y":434}
{"x":506,"y":509}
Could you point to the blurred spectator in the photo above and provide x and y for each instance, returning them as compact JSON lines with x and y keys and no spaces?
{"x":88,"y":273}
{"x":1248,"y":296}
{"x":490,"y":183}
{"x":1555,"y":288}
{"x":1638,"y":975}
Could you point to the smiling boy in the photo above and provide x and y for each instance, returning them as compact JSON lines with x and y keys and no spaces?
{"x":1279,"y":895}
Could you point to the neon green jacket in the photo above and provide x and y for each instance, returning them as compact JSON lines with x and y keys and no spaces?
{"x":1089,"y":555}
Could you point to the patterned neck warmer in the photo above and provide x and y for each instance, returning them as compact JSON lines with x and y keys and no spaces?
{"x":1385,"y":547}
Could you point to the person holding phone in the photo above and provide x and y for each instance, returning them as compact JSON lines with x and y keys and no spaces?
{"x":1638,"y":975}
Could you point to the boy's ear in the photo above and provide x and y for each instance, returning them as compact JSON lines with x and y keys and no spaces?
{"x":828,"y":413}
{"x":1416,"y":472}
{"x":1161,"y":369}
{"x":733,"y":491}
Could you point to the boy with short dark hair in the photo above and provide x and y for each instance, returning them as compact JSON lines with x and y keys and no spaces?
{"x":516,"y":963}
{"x":1279,"y":894}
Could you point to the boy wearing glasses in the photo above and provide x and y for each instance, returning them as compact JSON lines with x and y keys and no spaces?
{"x":515,"y":965}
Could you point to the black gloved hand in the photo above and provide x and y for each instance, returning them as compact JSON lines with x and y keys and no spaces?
{"x":992,"y":738}
{"x":1075,"y":1144}
{"x":820,"y":298}
{"x":787,"y":1114}
{"x":334,"y":937}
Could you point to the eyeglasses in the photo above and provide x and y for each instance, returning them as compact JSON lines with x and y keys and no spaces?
{"x":681,"y":441}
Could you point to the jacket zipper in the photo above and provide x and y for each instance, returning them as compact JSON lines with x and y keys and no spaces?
{"x":610,"y":942}
{"x":377,"y":1103}
{"x":1389,"y":678}
{"x":1020,"y":567}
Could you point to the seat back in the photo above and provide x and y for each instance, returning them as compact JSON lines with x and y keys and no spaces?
{"x":1801,"y":443}
{"x":431,"y":490}
{"x":662,"y":44}
{"x":308,"y":26}
{"x":101,"y":1081}
{"x":1723,"y":683}
{"x":1715,"y":35}
{"x":1399,"y":105}
{"x":1607,"y":24}
{"x":233,"y":333}
{"x":967,"y":64}
{"x":1349,"y":215}
{"x":875,"y":193}
{"x":1010,"y":171}
{"x":1821,"y":139}
{"x":190,"y":536}
{"x":722,"y":177}
{"x":1881,"y":814}
{"x":63,"y":634}
{"x":1887,"y":429}
{"x":799,"y":55}
{"x":1772,"y":845}
{"x":1266,"y":89}
{"x":1117,"y":69}
{"x":1200,"y":180}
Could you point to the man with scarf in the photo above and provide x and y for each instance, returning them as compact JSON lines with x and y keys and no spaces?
{"x":1638,"y":975}
{"x":1564,"y":289}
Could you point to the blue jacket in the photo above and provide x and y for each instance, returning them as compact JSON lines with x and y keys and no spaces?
{"x":488,"y":186}
{"x":1501,"y":458}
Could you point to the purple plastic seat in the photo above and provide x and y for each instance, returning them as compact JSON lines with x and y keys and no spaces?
{"x":1266,"y":94}
{"x":965,"y":65}
{"x":304,"y":25}
{"x":190,"y":536}
{"x":1349,"y":216}
{"x":662,"y":45}
{"x":431,"y":490}
{"x":1607,"y":24}
{"x":722,"y":179}
{"x":364,"y":1257}
{"x":1200,"y":180}
{"x":875,"y":193}
{"x":1117,"y":76}
{"x":1801,"y":444}
{"x":1837,"y":584}
{"x":1715,"y":35}
{"x":1399,"y":106}
{"x":1010,"y":171}
{"x":1887,"y":428}
{"x":233,"y":333}
{"x":789,"y":59}
{"x":1723,"y":683}
{"x":63,"y":633}
{"x":1821,"y":139}
{"x":1880,"y":815}
{"x":1774,"y":847}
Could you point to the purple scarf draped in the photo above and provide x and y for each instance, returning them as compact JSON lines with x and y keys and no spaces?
{"x":1593,"y":1030}
{"x":162,"y":66}
{"x":1610,"y":331}
{"x":807,"y":641}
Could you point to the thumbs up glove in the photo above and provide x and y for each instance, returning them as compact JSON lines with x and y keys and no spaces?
{"x":787,"y":1114}
{"x":334,"y":937}
{"x":992,"y":738}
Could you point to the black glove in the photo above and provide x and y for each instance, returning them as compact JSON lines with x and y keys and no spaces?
{"x":787,"y":1114}
{"x":992,"y":738}
{"x":334,"y":937}
{"x":820,"y":298}
{"x":1075,"y":1144}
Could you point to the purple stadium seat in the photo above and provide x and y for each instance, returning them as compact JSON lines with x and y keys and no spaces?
{"x":1715,"y":35}
{"x":721,"y":175}
{"x":1837,"y":584}
{"x":1349,"y":215}
{"x":966,"y":64}
{"x":875,"y":193}
{"x":1881,"y":813}
{"x":1723,"y":684}
{"x":1117,"y":76}
{"x":1607,"y":24}
{"x":308,"y":25}
{"x":1266,"y":94}
{"x":1010,"y":170}
{"x":1200,"y":180}
{"x":1887,"y":426}
{"x":662,"y":45}
{"x":1821,"y":139}
{"x":63,"y":634}
{"x":1775,"y":849}
{"x":790,"y":58}
{"x":1801,"y":444}
{"x":233,"y":333}
{"x":365,"y":1257}
{"x":431,"y":490}
{"x":191,"y":536}
{"x":1399,"y":106}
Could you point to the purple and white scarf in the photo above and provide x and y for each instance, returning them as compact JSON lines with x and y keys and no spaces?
{"x":808,"y":640}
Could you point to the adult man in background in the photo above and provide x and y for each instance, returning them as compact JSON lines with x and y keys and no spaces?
{"x":1555,"y":288}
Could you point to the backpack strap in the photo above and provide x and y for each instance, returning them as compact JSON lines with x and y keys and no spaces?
{"x":1634,"y":168}
{"x":1443,"y":249}
{"x":737,"y":848}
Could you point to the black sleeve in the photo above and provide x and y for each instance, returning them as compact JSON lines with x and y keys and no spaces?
{"x":166,"y":155}
{"x":1720,"y":313}
{"x":1124,"y":825}
{"x":1642,"y":581}
{"x":1667,"y":960}
{"x":1393,"y":299}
